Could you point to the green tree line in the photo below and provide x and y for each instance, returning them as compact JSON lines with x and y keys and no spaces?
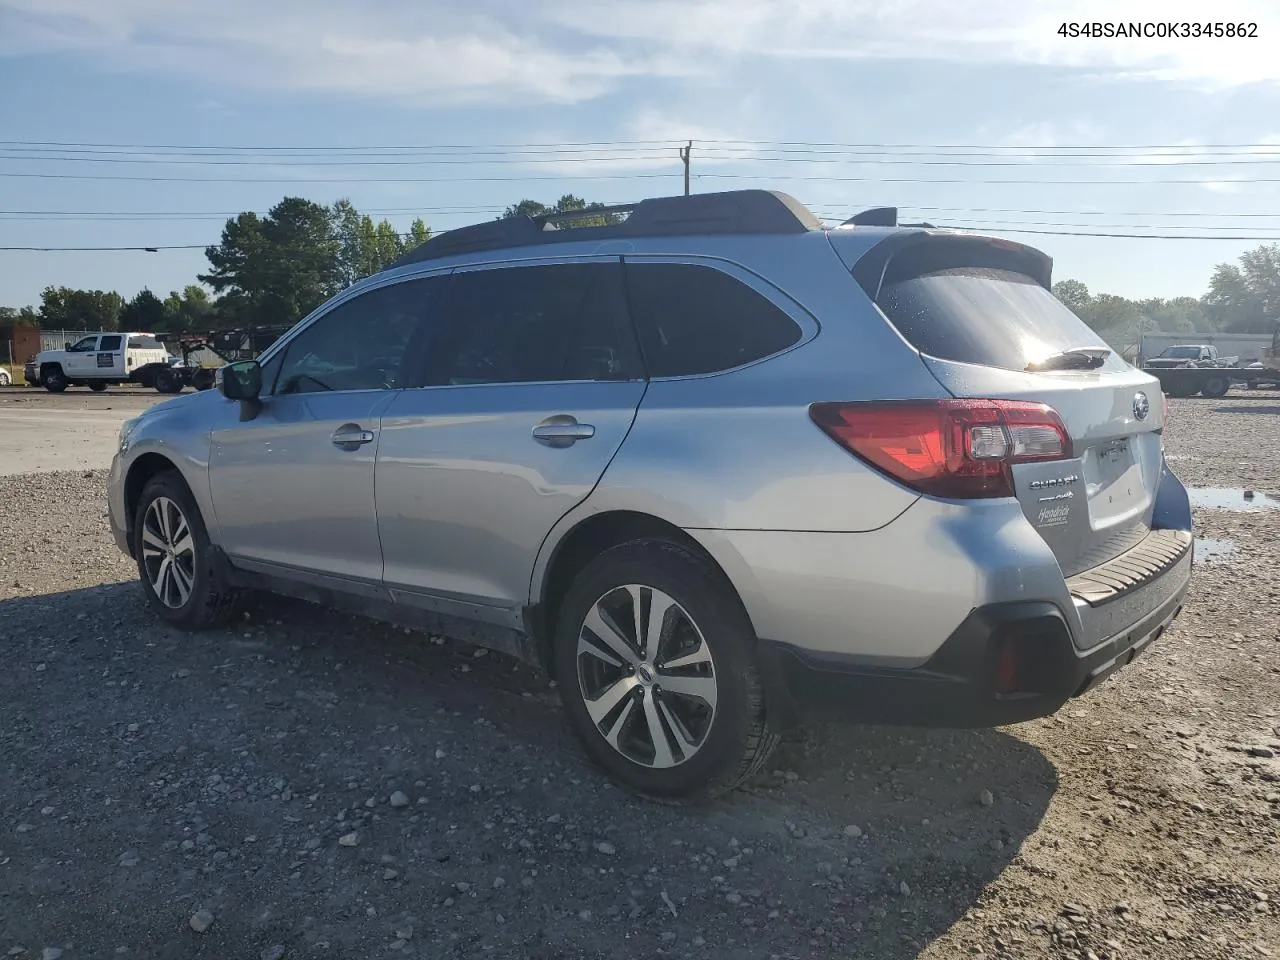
{"x":274,"y":269}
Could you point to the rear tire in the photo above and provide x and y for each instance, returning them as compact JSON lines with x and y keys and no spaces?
{"x":183,"y":578}
{"x":620,"y":690}
{"x":167,"y":382}
{"x":53,"y":379}
{"x":1216,"y":387}
{"x":97,"y":386}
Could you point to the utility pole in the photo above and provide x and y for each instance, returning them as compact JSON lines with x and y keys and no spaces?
{"x":684,"y":156}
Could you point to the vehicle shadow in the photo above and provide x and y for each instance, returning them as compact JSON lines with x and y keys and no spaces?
{"x":858,"y":840}
{"x":1251,"y":408}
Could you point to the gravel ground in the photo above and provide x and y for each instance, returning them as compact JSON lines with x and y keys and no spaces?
{"x":312,"y":785}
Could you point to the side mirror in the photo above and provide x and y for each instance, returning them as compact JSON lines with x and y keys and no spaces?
{"x":242,"y":380}
{"x":67,"y":345}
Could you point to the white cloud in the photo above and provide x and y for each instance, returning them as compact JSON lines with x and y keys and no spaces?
{"x":568,"y":51}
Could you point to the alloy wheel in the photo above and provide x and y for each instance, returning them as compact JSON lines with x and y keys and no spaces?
{"x":646,"y":676}
{"x":168,"y":552}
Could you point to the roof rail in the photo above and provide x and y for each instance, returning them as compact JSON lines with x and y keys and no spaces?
{"x":734,"y":211}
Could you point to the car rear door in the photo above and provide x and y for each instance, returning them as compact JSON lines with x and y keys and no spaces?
{"x":109,"y":360}
{"x":987,"y":327}
{"x":529,"y":385}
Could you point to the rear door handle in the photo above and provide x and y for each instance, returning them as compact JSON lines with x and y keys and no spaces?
{"x":562,"y":430}
{"x":349,"y":436}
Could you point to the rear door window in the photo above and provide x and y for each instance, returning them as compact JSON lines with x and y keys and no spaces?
{"x":111,"y":342}
{"x":694,"y":319}
{"x":982,"y":315}
{"x":530,"y":324}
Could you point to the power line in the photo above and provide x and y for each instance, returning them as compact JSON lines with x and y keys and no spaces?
{"x":153,"y":179}
{"x":1262,"y":160}
{"x":150,"y":249}
{"x":671,"y":142}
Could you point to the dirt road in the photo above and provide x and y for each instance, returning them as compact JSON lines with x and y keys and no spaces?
{"x":309,"y":785}
{"x":76,"y":430}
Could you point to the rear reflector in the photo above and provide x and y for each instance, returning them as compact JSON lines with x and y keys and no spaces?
{"x":957,"y":449}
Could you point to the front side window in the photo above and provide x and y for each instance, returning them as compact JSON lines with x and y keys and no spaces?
{"x":362,"y":343}
{"x":554,"y":322}
{"x":694,"y":319}
{"x":109,"y":343}
{"x":85,"y":345}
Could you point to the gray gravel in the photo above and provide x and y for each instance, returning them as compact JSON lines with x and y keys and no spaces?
{"x":151,"y":781}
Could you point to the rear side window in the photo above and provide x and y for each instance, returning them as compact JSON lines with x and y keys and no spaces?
{"x":988,"y":316}
{"x":556,"y":322}
{"x":693,"y":319}
{"x":144,"y":343}
{"x":110,"y":343}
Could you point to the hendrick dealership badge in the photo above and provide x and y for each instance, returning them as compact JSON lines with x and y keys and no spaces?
{"x":1141,"y":405}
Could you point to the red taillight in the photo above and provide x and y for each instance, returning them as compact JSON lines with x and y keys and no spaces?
{"x":947,"y":448}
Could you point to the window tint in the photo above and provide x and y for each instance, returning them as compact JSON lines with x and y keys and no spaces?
{"x":144,"y":343}
{"x":110,"y":343}
{"x":694,"y":319}
{"x":360,"y":344}
{"x":527,"y":324}
{"x":85,"y":344}
{"x":994,"y":317}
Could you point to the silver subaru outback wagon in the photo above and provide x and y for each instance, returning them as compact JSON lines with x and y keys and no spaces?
{"x":717,"y":469}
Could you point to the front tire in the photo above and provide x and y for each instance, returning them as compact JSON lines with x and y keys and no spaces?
{"x":655,"y":663}
{"x":166,"y":381}
{"x":1216,"y":387}
{"x":182,"y":579}
{"x":53,"y":379}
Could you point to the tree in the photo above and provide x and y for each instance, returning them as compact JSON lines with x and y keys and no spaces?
{"x":275,"y":269}
{"x":62,"y":308}
{"x":1074,"y":294}
{"x":144,"y":312}
{"x":566,"y":204}
{"x":1246,"y":298}
{"x":419,"y":233}
{"x":189,"y":310}
{"x":364,"y":248}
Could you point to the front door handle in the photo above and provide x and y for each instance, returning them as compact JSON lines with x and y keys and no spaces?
{"x":351,"y":436}
{"x":562,"y":430}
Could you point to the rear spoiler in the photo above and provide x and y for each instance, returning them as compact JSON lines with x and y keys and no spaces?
{"x":903,"y":255}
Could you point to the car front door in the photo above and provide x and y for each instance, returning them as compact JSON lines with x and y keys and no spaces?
{"x":529,"y":386}
{"x":81,"y":357}
{"x":293,"y":486}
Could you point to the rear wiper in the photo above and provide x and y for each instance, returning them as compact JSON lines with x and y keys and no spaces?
{"x":1073,"y":358}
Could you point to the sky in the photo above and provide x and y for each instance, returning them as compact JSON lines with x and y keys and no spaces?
{"x":975,"y":114}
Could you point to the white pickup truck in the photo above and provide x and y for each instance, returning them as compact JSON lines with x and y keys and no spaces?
{"x":98,"y":361}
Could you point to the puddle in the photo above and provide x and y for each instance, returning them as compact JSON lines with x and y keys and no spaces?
{"x":1209,"y":550}
{"x":1232,"y":498}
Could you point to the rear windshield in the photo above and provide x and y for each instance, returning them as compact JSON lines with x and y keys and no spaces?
{"x":1180,"y":352}
{"x":994,"y":317}
{"x":144,"y":343}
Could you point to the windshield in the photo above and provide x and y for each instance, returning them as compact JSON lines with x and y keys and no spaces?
{"x":994,"y":317}
{"x":1181,"y":352}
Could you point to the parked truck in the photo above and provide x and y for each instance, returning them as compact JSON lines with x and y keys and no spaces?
{"x":98,"y":361}
{"x":1186,"y":369}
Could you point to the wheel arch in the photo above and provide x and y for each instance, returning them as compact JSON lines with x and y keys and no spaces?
{"x":141,"y":471}
{"x":585,"y":540}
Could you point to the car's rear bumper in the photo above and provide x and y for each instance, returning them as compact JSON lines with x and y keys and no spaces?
{"x":1005,"y":663}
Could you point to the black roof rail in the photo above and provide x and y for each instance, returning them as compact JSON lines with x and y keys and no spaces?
{"x":734,"y":211}
{"x":875,"y":217}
